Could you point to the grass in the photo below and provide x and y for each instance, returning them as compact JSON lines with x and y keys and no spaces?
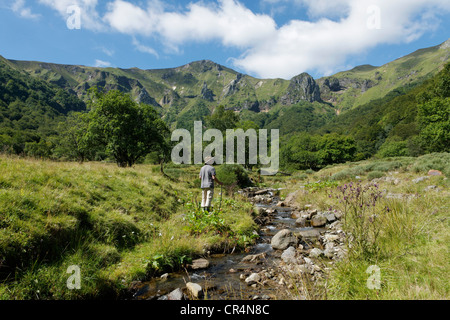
{"x":117,"y":225}
{"x":413,"y":229}
{"x":125,"y":225}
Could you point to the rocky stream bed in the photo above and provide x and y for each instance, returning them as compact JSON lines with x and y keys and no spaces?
{"x":296,"y":247}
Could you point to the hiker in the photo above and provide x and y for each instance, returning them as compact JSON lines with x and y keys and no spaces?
{"x":208,"y":176}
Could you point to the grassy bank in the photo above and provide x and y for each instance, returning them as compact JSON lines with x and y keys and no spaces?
{"x":117,"y":225}
{"x":404,"y":233}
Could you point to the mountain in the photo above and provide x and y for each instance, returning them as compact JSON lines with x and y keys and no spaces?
{"x":173,"y":90}
{"x":350,"y":89}
{"x":35,"y":96}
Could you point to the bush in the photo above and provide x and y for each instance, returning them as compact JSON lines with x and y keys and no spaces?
{"x":232,"y":173}
{"x":375,"y":175}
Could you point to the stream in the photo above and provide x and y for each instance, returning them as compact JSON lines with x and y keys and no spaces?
{"x":224,"y":278}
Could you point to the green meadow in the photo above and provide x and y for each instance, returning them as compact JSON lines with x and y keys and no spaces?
{"x":117,"y":225}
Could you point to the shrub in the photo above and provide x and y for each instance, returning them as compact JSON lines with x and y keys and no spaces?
{"x":375,"y":175}
{"x":232,"y":173}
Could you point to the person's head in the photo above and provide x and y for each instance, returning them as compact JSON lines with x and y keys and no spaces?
{"x":209,"y":161}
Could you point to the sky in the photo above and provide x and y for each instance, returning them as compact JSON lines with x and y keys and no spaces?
{"x":261,"y":38}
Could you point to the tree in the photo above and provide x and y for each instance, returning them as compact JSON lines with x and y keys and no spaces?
{"x":222,"y":119}
{"x":434,"y":114}
{"x":74,"y":139}
{"x":434,"y":118}
{"x":127,"y":129}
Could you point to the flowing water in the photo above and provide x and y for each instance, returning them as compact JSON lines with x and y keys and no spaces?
{"x":222,"y":279}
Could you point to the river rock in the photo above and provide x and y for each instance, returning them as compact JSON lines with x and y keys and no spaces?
{"x":195,"y":289}
{"x":176,"y":294}
{"x":331,"y":237}
{"x":329,"y":253}
{"x":288,"y":255}
{"x":318,"y":221}
{"x":283,"y":240}
{"x":315,"y":253}
{"x":301,"y":222}
{"x":330,"y":217}
{"x":311,"y":234}
{"x":290,"y":199}
{"x":199,"y":264}
{"x":253,"y":279}
{"x":254,"y":258}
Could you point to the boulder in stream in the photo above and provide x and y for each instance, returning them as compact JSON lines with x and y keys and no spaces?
{"x":319,"y":221}
{"x":283,"y":240}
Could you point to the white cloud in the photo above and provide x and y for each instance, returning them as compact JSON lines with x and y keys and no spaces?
{"x":18,"y":6}
{"x":102,"y":64}
{"x":324,"y":45}
{"x":145,"y":49}
{"x":338,"y":29}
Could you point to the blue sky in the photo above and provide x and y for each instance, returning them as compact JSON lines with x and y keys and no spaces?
{"x":262,"y":38}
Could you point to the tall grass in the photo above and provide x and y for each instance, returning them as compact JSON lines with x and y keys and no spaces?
{"x":408,"y":239}
{"x":118,"y":225}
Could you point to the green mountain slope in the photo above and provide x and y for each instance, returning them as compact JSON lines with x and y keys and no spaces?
{"x":172,"y":91}
{"x":349,"y":89}
{"x":30,"y":108}
{"x":34,"y":96}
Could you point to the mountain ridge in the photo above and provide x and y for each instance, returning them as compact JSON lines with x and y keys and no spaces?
{"x":173,"y":90}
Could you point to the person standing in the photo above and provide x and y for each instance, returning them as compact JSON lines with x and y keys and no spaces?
{"x":208,"y":177}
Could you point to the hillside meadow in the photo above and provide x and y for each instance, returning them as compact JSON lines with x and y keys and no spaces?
{"x":125,"y":225}
{"x":403,"y":233}
{"x":117,"y":225}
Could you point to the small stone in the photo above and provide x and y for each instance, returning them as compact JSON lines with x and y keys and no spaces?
{"x":319,"y":221}
{"x":253,"y":279}
{"x":165,"y":276}
{"x":301,"y":222}
{"x":331,"y":237}
{"x":330,"y":217}
{"x":420,"y":179}
{"x":434,"y":173}
{"x":329,"y":253}
{"x":288,"y":255}
{"x":315,"y":253}
{"x":195,"y":289}
{"x":177,"y":294}
{"x":200,"y":264}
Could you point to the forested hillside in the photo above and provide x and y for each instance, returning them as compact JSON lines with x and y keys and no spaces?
{"x":399,"y":109}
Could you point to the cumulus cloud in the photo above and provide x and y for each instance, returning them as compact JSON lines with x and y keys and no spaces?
{"x":324,"y":45}
{"x":335,"y":31}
